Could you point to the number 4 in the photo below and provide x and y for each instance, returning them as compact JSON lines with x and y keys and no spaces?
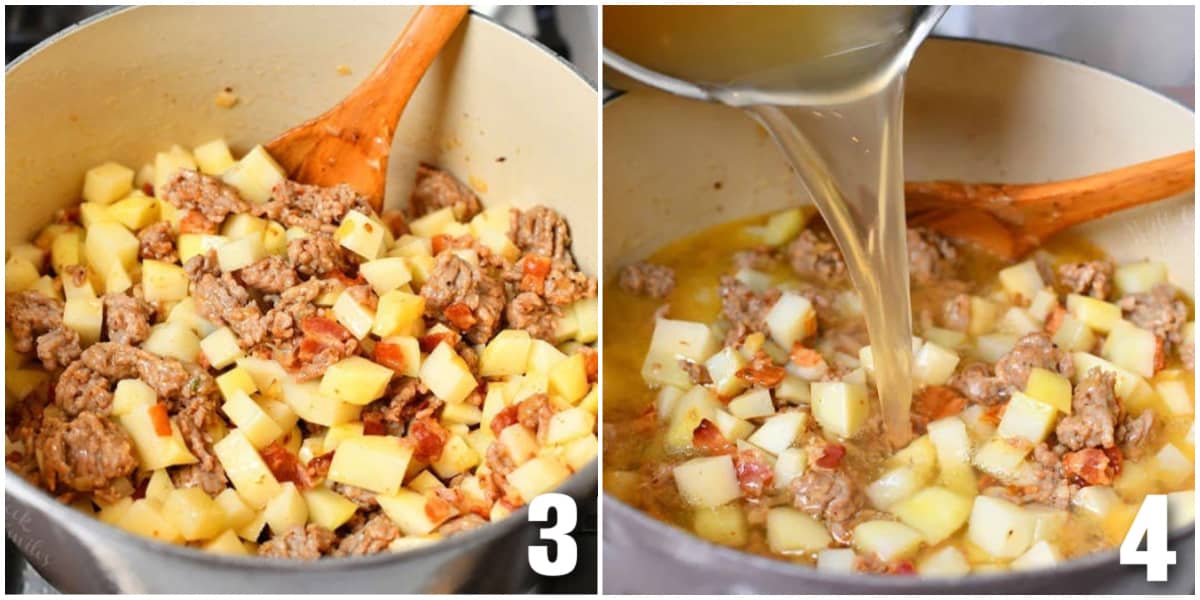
{"x":1151,"y":523}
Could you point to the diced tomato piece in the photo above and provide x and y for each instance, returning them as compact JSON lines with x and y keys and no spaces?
{"x":158,"y":416}
{"x":904,"y":567}
{"x":431,"y":341}
{"x":323,"y":329}
{"x":1090,"y":465}
{"x":193,"y":221}
{"x":534,"y":269}
{"x":707,"y":437}
{"x":318,"y":468}
{"x":761,"y":371}
{"x":753,"y":472}
{"x":440,"y":242}
{"x":591,"y":363}
{"x":993,"y":414}
{"x":832,"y":456}
{"x":391,"y":356}
{"x":430,"y":437}
{"x":373,"y":423}
{"x":285,"y":465}
{"x":148,"y":188}
{"x":1054,"y":319}
{"x":460,"y":316}
{"x":437,"y":509}
{"x":803,"y":356}
{"x":507,"y":416}
{"x":938,"y":401}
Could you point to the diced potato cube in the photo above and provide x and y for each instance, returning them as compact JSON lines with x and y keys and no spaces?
{"x":540,"y":475}
{"x":237,"y":513}
{"x":888,"y":540}
{"x":895,"y":485}
{"x":236,"y":379}
{"x":167,"y":164}
{"x":725,"y":525}
{"x":1138,"y":277}
{"x":160,"y":486}
{"x":67,"y":249}
{"x":446,"y":374}
{"x":1126,"y":383}
{"x":107,"y":182}
{"x":173,"y":340}
{"x":723,"y":367}
{"x":791,"y":319}
{"x":933,"y":364}
{"x":135,"y":211}
{"x":255,"y":175}
{"x":311,"y":405}
{"x":86,"y":317}
{"x":1000,"y":528}
{"x":286,"y":510}
{"x":697,"y":404}
{"x":946,"y":562}
{"x":1181,"y":508}
{"x":1001,"y":459}
{"x":1173,"y":466}
{"x":213,"y":157}
{"x":1176,"y":394}
{"x":1049,"y":387}
{"x":790,"y":531}
{"x":543,"y":357}
{"x":839,"y":407}
{"x":1048,"y":522}
{"x":226,"y":543}
{"x":707,"y":482}
{"x":400,"y":353}
{"x":570,"y":424}
{"x":587,"y":317}
{"x":251,"y":531}
{"x":22,"y":382}
{"x":385,"y":274}
{"x":1041,"y":555}
{"x":194,"y":513}
{"x":983,"y":314}
{"x":568,"y":378}
{"x":221,"y":348}
{"x":356,"y":380}
{"x":254,"y":423}
{"x":1017,"y":321}
{"x":457,"y":457}
{"x":361,"y":235}
{"x":946,"y":338}
{"x":1073,"y":335}
{"x":580,"y":451}
{"x":357,"y":318}
{"x":433,"y":223}
{"x":144,"y":518}
{"x":275,"y":238}
{"x":407,"y":509}
{"x":130,"y":394}
{"x":398,"y":313}
{"x":92,"y":213}
{"x":193,"y":244}
{"x":505,"y":354}
{"x":19,"y":275}
{"x":992,"y":347}
{"x":778,"y":432}
{"x":782,"y":226}
{"x":789,"y":464}
{"x":377,"y":463}
{"x":163,"y":282}
{"x":935,"y":512}
{"x":731,"y":427}
{"x":1132,"y":347}
{"x":246,"y":470}
{"x":671,"y":341}
{"x":753,"y":404}
{"x":1044,"y":303}
{"x":1022,"y":281}
{"x":519,"y":442}
{"x":107,"y":243}
{"x":1027,"y":419}
{"x":240,"y":253}
{"x":1096,"y":314}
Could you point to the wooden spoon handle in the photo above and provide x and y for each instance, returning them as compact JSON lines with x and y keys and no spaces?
{"x":350,"y":143}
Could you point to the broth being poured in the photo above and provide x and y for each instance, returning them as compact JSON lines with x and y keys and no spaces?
{"x":826,"y":82}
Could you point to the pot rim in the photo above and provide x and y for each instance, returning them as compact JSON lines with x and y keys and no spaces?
{"x":83,"y":525}
{"x":616,"y":508}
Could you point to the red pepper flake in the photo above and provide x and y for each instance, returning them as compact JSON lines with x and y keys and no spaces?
{"x":194,"y":222}
{"x":507,"y":416}
{"x":440,"y":242}
{"x":761,"y":371}
{"x":430,"y":438}
{"x":460,"y":316}
{"x":437,"y":509}
{"x":707,"y":437}
{"x":158,"y":416}
{"x":391,"y":356}
{"x":285,"y":465}
{"x":373,"y":423}
{"x":534,"y":268}
{"x":832,"y":456}
{"x":753,"y":473}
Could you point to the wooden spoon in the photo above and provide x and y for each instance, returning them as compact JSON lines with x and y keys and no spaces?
{"x":1010,"y":220}
{"x":350,"y":143}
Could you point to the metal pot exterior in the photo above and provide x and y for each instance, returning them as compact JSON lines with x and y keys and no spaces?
{"x":496,"y":109}
{"x":973,"y":112}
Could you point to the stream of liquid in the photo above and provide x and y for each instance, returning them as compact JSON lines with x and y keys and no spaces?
{"x":827,"y":83}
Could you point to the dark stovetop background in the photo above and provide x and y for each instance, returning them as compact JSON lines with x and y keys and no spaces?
{"x":564,"y":30}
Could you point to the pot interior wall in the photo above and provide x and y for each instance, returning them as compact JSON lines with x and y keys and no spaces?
{"x":495,"y":109}
{"x":973,"y":112}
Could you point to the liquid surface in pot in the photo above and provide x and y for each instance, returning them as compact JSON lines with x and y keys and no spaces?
{"x":207,"y":353}
{"x":827,"y":84}
{"x":1051,"y":396}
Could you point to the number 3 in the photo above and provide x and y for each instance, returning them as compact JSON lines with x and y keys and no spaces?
{"x":1151,"y":523}
{"x":559,"y":535}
